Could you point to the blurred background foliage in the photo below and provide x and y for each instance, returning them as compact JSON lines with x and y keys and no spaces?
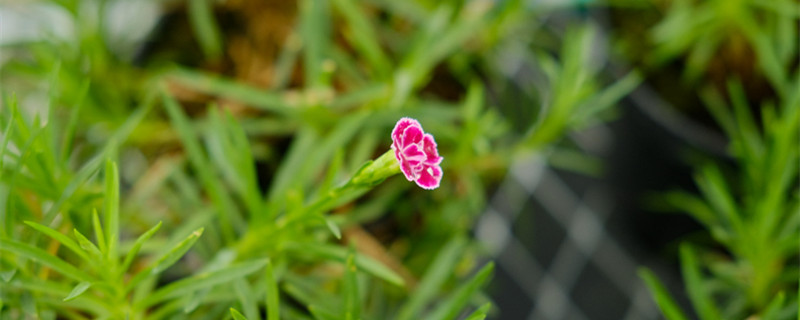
{"x":226,"y":132}
{"x":180,"y":159}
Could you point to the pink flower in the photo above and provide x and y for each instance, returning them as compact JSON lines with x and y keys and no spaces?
{"x":416,"y":152}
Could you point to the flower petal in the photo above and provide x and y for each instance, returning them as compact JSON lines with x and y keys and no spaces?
{"x":431,"y":153}
{"x":429,"y":177}
{"x":399,"y":128}
{"x":413,"y":155}
{"x":412,"y":135}
{"x":408,"y":171}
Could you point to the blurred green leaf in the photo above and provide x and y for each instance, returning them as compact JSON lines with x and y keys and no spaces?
{"x":236,"y":315}
{"x":480,"y":313}
{"x":363,"y":262}
{"x":204,"y":25}
{"x":79,"y":289}
{"x":700,"y":297}
{"x":459,"y":299}
{"x":137,"y":246}
{"x":111,"y":209}
{"x":352,"y":303}
{"x":201,"y":281}
{"x":436,"y":274}
{"x":273,"y":297}
{"x":61,"y":238}
{"x":662,"y":297}
{"x":43,"y":257}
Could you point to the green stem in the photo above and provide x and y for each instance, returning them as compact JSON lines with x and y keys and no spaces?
{"x":367,"y":177}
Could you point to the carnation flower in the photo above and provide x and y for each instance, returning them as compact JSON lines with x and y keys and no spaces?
{"x":416,"y":153}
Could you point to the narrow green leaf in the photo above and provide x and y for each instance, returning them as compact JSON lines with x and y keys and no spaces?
{"x":352,"y":304}
{"x":236,"y":315}
{"x":363,"y":262}
{"x":273,"y":298}
{"x":310,"y":292}
{"x":89,"y":247}
{"x":459,"y":299}
{"x":111,"y":209}
{"x":226,"y":211}
{"x":44,"y":258}
{"x":98,"y":231}
{"x":72,"y":123}
{"x":193,"y":300}
{"x":772,"y":312}
{"x":246,"y":297}
{"x":230,"y":89}
{"x":177,"y":252}
{"x":321,"y":313}
{"x":665,"y":302}
{"x":7,"y":133}
{"x":436,"y":274}
{"x":363,"y":36}
{"x":58,"y":236}
{"x":607,"y":97}
{"x":330,"y":175}
{"x":137,"y":246}
{"x":315,"y":30}
{"x":480,"y":313}
{"x":201,"y":15}
{"x":93,"y":165}
{"x":333,"y":228}
{"x":201,"y":281}
{"x":700,"y":297}
{"x":302,"y":144}
{"x":8,"y":275}
{"x":713,"y":186}
{"x":78,"y":290}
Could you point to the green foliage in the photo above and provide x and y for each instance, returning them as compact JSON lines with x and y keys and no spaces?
{"x":180,"y":213}
{"x":752,"y":208}
{"x":701,"y":30}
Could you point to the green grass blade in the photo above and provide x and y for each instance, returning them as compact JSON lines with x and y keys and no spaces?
{"x":44,"y":258}
{"x":321,"y":313}
{"x":700,"y":297}
{"x":333,"y":228}
{"x":79,"y":289}
{"x":453,"y":305}
{"x":226,"y":211}
{"x":773,"y":310}
{"x":111,"y":202}
{"x":607,"y":98}
{"x":168,"y":259}
{"x":237,"y":315}
{"x":363,"y":262}
{"x":480,"y":313}
{"x":60,"y":237}
{"x":302,"y":145}
{"x":665,"y":302}
{"x":352,"y":303}
{"x":202,"y":281}
{"x":273,"y":297}
{"x":7,"y":134}
{"x":98,"y":231}
{"x":201,"y":16}
{"x":89,"y":247}
{"x":230,"y":89}
{"x":177,"y":252}
{"x":713,"y":186}
{"x":246,"y":297}
{"x":364,"y":37}
{"x":315,"y":30}
{"x":137,"y":246}
{"x":436,"y":274}
{"x":72,"y":123}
